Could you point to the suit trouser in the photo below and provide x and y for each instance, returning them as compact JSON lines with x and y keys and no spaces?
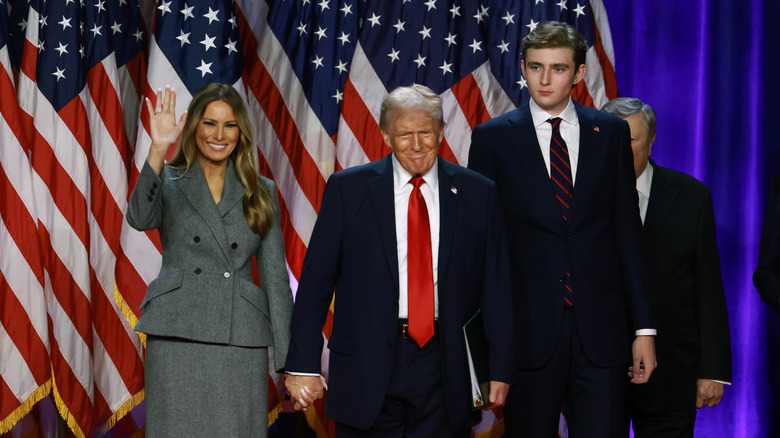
{"x":414,"y":403}
{"x":675,"y":424}
{"x":592,"y":397}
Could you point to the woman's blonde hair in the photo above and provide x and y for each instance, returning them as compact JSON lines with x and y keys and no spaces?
{"x":257,"y":201}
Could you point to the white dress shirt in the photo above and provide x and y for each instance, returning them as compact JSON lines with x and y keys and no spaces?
{"x":570,"y":131}
{"x":643,"y":184}
{"x":402,"y":190}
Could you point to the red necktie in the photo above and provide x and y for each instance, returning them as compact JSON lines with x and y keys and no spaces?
{"x":563,"y":187}
{"x":419,"y":263}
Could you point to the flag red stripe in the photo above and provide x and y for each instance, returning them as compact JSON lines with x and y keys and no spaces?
{"x":10,"y":402}
{"x":70,"y":390}
{"x":69,"y":295}
{"x":295,"y":250}
{"x":61,"y":187}
{"x":362,"y":123}
{"x":130,"y":284}
{"x":607,"y":69}
{"x":109,"y":106}
{"x":21,"y":226}
{"x":17,"y":323}
{"x":114,"y":338}
{"x":467,"y":93}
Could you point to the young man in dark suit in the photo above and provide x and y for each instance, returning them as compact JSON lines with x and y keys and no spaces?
{"x":398,"y":364}
{"x":580,"y":277}
{"x":692,"y":322}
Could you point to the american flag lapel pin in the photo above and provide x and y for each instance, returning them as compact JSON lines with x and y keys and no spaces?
{"x":596,"y":128}
{"x":454,"y":190}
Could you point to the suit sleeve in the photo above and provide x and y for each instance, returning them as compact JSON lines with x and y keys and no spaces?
{"x":715,"y":343}
{"x":497,"y":296}
{"x":276,"y":282}
{"x":318,"y":279}
{"x":629,"y":238}
{"x":144,"y":209}
{"x":767,"y":275}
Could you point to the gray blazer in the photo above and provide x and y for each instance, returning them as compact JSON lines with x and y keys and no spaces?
{"x":204,"y":291}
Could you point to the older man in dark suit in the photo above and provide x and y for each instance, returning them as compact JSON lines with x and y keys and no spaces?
{"x":580,"y":278}
{"x":414,"y":246}
{"x":692,"y":344}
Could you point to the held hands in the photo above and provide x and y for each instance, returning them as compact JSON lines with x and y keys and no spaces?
{"x":708,"y":393}
{"x":644,"y":360}
{"x":305,"y":389}
{"x":164,"y":129}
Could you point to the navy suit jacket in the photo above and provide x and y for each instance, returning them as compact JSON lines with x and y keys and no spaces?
{"x":692,"y":320}
{"x":767,"y":275}
{"x":353,"y":250}
{"x":601,"y":245}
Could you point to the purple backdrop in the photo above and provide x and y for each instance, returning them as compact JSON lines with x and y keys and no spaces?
{"x":706,"y":67}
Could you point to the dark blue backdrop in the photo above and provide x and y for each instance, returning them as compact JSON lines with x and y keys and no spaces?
{"x":710,"y":69}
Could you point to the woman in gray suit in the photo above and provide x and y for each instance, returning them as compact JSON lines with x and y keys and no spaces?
{"x":208,"y":325}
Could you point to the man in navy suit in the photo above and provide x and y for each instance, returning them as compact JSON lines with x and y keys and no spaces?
{"x":386,"y":376}
{"x":581,"y":284}
{"x":693,"y":323}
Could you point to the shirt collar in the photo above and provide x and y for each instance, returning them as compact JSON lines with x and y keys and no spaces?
{"x":401,"y":176}
{"x":540,"y":116}
{"x":645,"y":180}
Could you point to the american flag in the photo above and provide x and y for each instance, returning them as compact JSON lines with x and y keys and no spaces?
{"x":314,"y":74}
{"x":25,"y":376}
{"x":75,"y":86}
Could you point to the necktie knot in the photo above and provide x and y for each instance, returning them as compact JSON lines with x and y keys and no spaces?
{"x":417,"y":181}
{"x":555,"y":122}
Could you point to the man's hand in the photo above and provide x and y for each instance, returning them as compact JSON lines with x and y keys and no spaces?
{"x":498,"y":393}
{"x":708,"y":393}
{"x":304,"y":389}
{"x":644,"y":359}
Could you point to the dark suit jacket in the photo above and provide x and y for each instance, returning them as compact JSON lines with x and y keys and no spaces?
{"x":602,"y":241}
{"x":353,"y":249}
{"x":767,"y":275}
{"x":692,"y":321}
{"x":205,"y":291}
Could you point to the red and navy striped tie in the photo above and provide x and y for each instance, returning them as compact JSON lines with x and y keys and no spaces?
{"x":563,"y":187}
{"x":560,"y":169}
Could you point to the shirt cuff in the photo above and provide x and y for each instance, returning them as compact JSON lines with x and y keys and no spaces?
{"x":722,"y":382}
{"x":646,"y":332}
{"x":293,"y":373}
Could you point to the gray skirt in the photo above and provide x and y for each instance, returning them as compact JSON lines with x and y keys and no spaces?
{"x":195,"y":389}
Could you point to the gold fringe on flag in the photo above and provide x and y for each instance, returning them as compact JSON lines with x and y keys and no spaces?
{"x":495,"y":431}
{"x":10,"y":421}
{"x":63,"y":410}
{"x":273,"y":414}
{"x":127,"y":312}
{"x":122,"y":411}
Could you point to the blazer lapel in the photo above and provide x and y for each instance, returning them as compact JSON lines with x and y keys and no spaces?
{"x":586,"y":162}
{"x":532,"y":161}
{"x":448,"y":212}
{"x":195,"y":188}
{"x":380,"y":188}
{"x":232,"y":192}
{"x":662,"y":198}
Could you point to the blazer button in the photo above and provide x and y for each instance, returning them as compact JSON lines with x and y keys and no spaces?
{"x":196,"y":239}
{"x":561,"y":278}
{"x":567,"y":237}
{"x":395,"y":303}
{"x":197,"y":270}
{"x":154,"y":185}
{"x":226,"y":274}
{"x":149,"y":198}
{"x":234,"y":245}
